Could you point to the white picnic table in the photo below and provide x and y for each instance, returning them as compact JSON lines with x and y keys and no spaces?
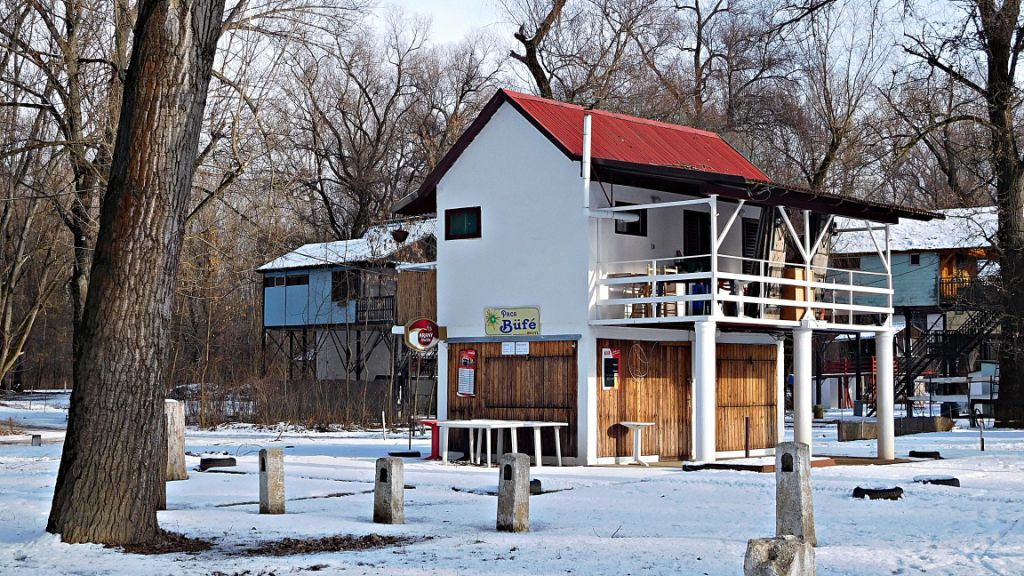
{"x":483,"y":428}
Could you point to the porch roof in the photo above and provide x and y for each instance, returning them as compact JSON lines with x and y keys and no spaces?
{"x":654,"y":155}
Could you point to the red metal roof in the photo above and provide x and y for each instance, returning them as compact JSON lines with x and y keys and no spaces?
{"x":653,"y":155}
{"x":635,"y":140}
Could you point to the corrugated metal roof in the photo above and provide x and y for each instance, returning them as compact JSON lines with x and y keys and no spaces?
{"x":636,"y":140}
{"x":651,"y":155}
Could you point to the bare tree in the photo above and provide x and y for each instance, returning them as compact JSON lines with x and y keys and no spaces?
{"x":354,"y":121}
{"x":116,"y":418}
{"x":981,"y":56}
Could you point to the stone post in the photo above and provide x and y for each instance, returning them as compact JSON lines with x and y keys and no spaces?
{"x":794,"y":505}
{"x":514,"y":493}
{"x":37,"y":439}
{"x":271,"y":481}
{"x":389,"y":492}
{"x":779,"y":556}
{"x":174,"y":413}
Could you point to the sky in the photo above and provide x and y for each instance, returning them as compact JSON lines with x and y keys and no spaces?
{"x":454,"y":19}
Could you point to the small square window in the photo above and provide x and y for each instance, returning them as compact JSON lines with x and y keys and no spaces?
{"x":915,"y":259}
{"x":297,"y":280}
{"x":460,"y":223}
{"x":638,"y":228}
{"x":344,"y":285}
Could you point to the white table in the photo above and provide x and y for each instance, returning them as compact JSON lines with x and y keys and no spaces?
{"x":482,"y":439}
{"x":638,"y":433}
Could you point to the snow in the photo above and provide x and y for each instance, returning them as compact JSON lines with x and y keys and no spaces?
{"x":376,"y":244}
{"x":596,"y":520}
{"x":962,"y":228}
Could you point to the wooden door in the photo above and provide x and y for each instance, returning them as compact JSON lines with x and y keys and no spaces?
{"x":654,"y":386}
{"x":747,"y":386}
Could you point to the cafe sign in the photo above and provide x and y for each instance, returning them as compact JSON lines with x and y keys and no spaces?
{"x":422,"y":334}
{"x":512,"y":321}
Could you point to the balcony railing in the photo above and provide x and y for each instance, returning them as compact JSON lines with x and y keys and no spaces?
{"x":968,"y":293}
{"x":779,"y":293}
{"x":374,"y":309}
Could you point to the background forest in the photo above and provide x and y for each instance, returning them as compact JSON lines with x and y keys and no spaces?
{"x":322,"y":114}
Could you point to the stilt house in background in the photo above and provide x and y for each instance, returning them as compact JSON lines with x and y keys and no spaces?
{"x":328,"y":308}
{"x":596,"y":268}
{"x":944,"y":279}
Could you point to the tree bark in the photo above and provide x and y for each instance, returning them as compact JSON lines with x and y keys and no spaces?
{"x":999,"y":25}
{"x":111,"y":474}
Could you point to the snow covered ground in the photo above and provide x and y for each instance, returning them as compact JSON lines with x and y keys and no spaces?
{"x":602,"y":520}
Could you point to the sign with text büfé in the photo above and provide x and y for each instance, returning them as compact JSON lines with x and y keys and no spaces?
{"x":512,"y":321}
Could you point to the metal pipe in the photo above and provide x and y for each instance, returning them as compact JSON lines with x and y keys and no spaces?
{"x":586,"y":160}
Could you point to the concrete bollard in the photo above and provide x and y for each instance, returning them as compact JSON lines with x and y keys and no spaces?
{"x":271,"y":481}
{"x":174,"y":414}
{"x":794,"y":504}
{"x":37,"y":439}
{"x":779,"y":556}
{"x":389,"y":492}
{"x":514,"y":493}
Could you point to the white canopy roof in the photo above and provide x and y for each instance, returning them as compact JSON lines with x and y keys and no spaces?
{"x":378,"y":243}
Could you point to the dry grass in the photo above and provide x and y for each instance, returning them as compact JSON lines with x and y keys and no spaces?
{"x":315,"y":404}
{"x":9,"y":428}
{"x":169,"y":543}
{"x":341,"y":543}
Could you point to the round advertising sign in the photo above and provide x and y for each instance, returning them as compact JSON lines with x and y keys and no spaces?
{"x":421,"y":334}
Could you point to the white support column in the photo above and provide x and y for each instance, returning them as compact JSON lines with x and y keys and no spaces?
{"x":884,"y":395}
{"x":715,"y":311}
{"x":802,"y":377}
{"x":780,"y":392}
{"x":704,"y":391}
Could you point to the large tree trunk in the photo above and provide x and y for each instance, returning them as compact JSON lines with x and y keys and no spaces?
{"x":1000,"y":26}
{"x":111,"y":472}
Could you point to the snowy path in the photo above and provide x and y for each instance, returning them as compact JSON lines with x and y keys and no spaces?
{"x":614,"y":521}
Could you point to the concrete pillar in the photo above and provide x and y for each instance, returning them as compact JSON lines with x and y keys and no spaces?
{"x":389,"y":492}
{"x":780,"y":390}
{"x":794,"y":502}
{"x":174,"y":414}
{"x":587,"y":387}
{"x":704,"y":391}
{"x":514,"y":493}
{"x":802,"y":409}
{"x":271,"y":481}
{"x":884,"y":395}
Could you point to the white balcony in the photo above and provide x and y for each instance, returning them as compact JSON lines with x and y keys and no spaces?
{"x":752,"y":292}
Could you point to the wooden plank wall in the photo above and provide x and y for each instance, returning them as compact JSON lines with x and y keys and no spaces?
{"x":541,"y":386}
{"x":417,"y":295}
{"x":747,"y":386}
{"x":654,"y":387}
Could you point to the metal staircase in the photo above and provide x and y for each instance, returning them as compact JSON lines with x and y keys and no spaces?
{"x":938,"y":345}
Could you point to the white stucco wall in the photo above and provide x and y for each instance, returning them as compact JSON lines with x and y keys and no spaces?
{"x":533,"y":245}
